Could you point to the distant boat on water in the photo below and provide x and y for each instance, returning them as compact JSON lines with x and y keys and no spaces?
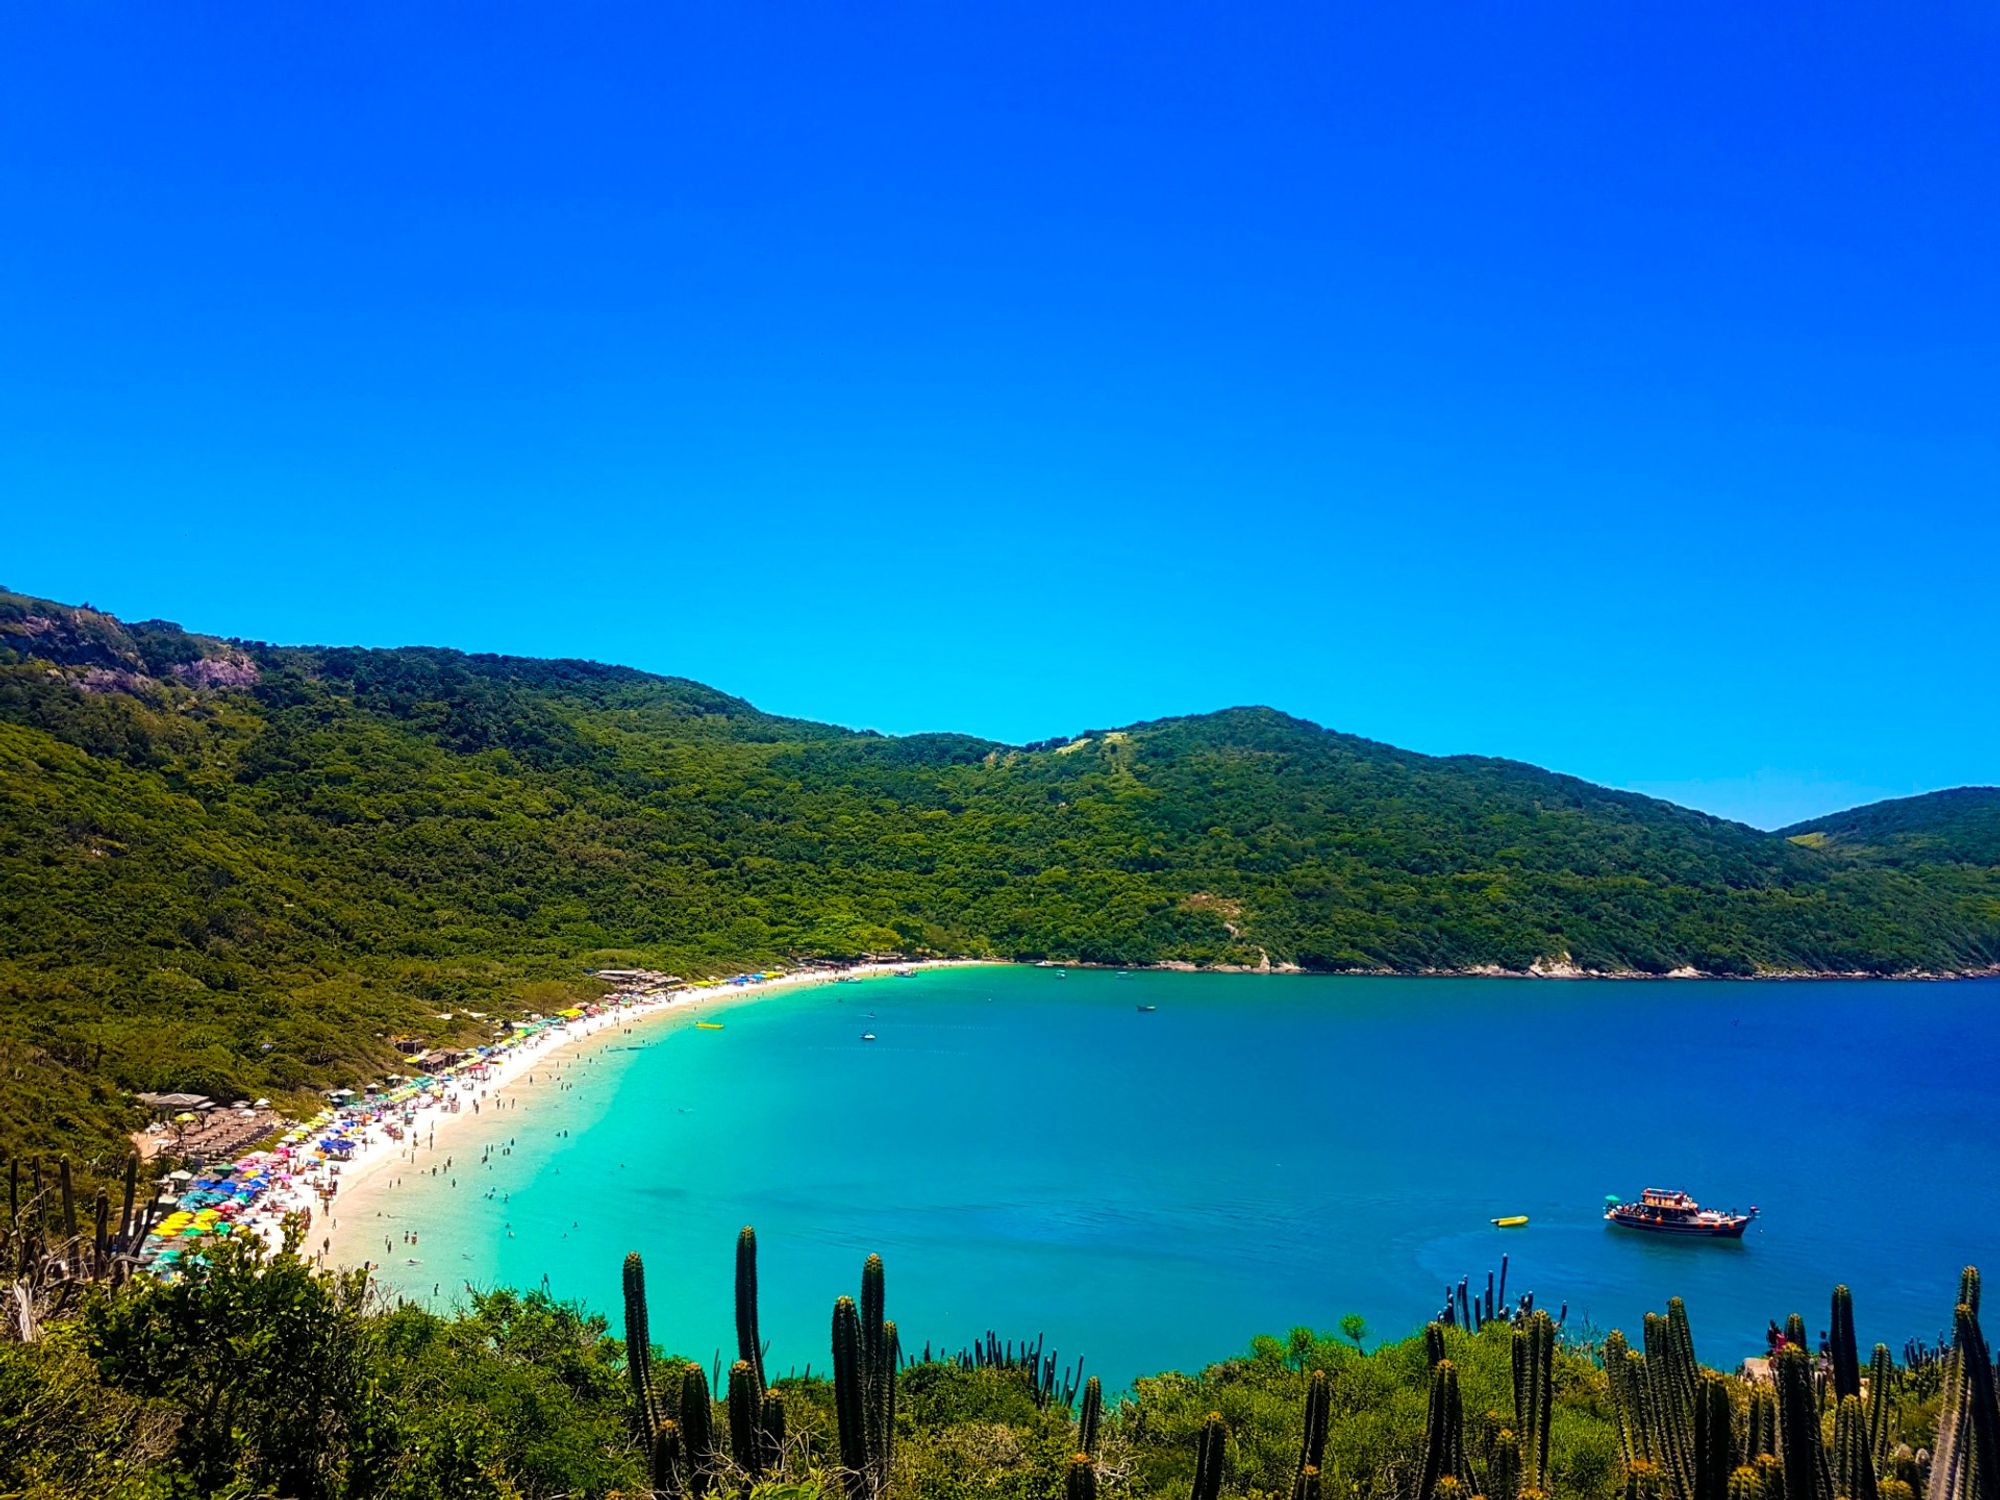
{"x":1664,"y":1211}
{"x":1148,"y":1007}
{"x":867,"y":1036}
{"x":709,"y":1025}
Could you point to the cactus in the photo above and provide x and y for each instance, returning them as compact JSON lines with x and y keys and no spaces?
{"x":698,"y":1429}
{"x":1841,"y":1348}
{"x":1503,"y":1467}
{"x":669,"y":1482}
{"x":1881,"y":1408}
{"x":1433,"y":1344}
{"x":1763,"y":1423}
{"x":1968,"y":1288}
{"x":1795,"y":1330}
{"x":1312,"y":1446}
{"x":892,"y":1357}
{"x":771,"y":1429}
{"x":1534,"y":1350}
{"x":849,"y":1400}
{"x":1645,"y":1480}
{"x":746,"y":1410}
{"x":1080,"y":1483}
{"x":1715,"y":1456}
{"x":1744,"y":1484}
{"x":1853,"y":1464}
{"x":874,"y":1355}
{"x":639,"y":1349}
{"x":1090,"y":1417}
{"x":1208,"y":1455}
{"x":1771,"y":1476}
{"x":1966,"y":1465}
{"x":1308,"y":1486}
{"x":749,"y":1348}
{"x":1670,"y":1400}
{"x":1444,"y":1435}
{"x":1806,"y":1474}
{"x":1624,"y":1397}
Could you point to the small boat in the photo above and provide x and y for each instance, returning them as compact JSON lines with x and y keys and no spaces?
{"x":1664,"y":1211}
{"x":1144,"y":1008}
{"x":867,"y":1036}
{"x":1512,"y":1221}
{"x":708,"y":1025}
{"x":1062,"y":973}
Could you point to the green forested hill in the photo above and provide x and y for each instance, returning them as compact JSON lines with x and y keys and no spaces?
{"x":238,"y":868}
{"x":1960,"y":826}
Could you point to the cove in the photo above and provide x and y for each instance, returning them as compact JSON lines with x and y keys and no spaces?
{"x":1036,"y":1155}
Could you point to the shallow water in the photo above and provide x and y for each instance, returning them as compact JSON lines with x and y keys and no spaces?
{"x":1034,"y":1155}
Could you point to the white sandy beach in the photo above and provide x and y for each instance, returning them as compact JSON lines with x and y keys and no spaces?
{"x":345,"y":1232}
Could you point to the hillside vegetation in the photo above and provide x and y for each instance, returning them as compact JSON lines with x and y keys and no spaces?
{"x":1960,"y":826}
{"x":240,"y":869}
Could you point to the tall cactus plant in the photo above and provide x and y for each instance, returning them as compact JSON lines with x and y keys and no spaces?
{"x":1534,"y":1352}
{"x":668,"y":1471}
{"x":1853,"y":1464}
{"x":1503,"y":1467}
{"x":698,"y":1429}
{"x":1715,"y":1455}
{"x":850,"y":1401}
{"x":874,"y":1356}
{"x":1799,"y":1446}
{"x":749,"y":1347}
{"x":1444,"y":1435}
{"x":1841,"y":1349}
{"x":746,"y":1414}
{"x":1670,"y":1381}
{"x":1090,"y":1416}
{"x":1762,"y":1423}
{"x":1312,"y":1445}
{"x":1881,"y":1408}
{"x":1208,"y":1458}
{"x":1965,"y":1465}
{"x":639,"y":1350}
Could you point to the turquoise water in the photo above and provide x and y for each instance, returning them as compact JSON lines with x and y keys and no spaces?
{"x":1034,"y":1155}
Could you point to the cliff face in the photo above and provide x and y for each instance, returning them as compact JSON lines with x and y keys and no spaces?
{"x":102,"y":654}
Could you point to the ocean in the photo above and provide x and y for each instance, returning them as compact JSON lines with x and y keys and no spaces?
{"x":1035,"y":1155}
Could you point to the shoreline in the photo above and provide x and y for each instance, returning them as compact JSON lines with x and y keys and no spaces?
{"x":406,"y":1128}
{"x":1495,"y":971}
{"x":362,"y":1182}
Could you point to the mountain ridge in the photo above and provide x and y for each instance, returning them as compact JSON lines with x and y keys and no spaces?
{"x":240,"y":869}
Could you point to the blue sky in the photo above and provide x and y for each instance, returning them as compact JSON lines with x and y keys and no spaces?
{"x":1612,"y":387}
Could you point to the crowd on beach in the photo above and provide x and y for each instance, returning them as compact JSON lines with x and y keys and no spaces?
{"x":297,"y":1181}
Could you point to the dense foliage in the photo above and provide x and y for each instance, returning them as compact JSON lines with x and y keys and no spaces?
{"x":239,"y":869}
{"x":1960,"y":826}
{"x":259,"y":1376}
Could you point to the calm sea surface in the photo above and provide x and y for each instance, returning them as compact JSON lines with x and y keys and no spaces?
{"x":1035,"y":1155}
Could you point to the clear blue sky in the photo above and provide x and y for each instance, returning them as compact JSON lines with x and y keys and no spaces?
{"x":1616,"y":387}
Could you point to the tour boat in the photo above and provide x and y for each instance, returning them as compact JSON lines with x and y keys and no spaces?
{"x":1664,"y":1211}
{"x":708,"y":1025}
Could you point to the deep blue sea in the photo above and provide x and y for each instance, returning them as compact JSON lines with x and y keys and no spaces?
{"x":1032,"y":1154}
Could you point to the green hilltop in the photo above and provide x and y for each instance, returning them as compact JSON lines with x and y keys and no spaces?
{"x":1960,"y":826}
{"x":241,"y":869}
